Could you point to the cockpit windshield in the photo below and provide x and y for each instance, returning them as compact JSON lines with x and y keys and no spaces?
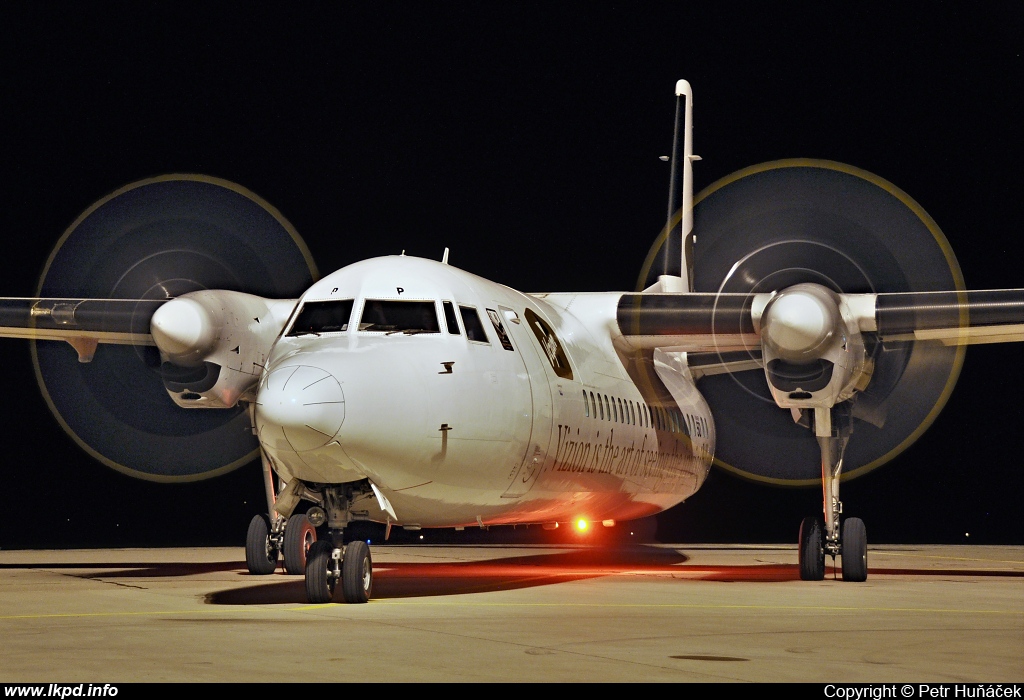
{"x":407,"y":317}
{"x":318,"y":317}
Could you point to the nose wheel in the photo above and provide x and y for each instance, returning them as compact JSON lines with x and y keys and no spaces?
{"x":329,"y":564}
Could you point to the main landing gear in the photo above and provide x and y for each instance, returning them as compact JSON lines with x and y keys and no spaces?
{"x":817,"y":538}
{"x":267,"y":540}
{"x":325,"y":563}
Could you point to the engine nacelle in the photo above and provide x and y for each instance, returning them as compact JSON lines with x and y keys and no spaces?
{"x":814,"y":353}
{"x":214,"y":344}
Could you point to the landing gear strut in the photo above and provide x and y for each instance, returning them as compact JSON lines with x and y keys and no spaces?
{"x":817,"y":540}
{"x":264,"y":540}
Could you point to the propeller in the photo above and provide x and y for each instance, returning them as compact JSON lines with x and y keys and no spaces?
{"x":801,"y":233}
{"x":157,"y":239}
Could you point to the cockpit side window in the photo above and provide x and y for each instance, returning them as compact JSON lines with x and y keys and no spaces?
{"x":318,"y":317}
{"x":407,"y":317}
{"x":474,"y":327}
{"x":449,"y":318}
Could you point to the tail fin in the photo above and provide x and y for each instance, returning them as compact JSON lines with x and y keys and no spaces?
{"x":677,"y":252}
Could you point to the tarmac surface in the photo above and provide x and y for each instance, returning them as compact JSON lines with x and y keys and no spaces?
{"x":657,"y":613}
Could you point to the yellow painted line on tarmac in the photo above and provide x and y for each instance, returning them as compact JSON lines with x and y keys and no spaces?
{"x":631,"y":606}
{"x":38,"y":616}
{"x":678,"y":606}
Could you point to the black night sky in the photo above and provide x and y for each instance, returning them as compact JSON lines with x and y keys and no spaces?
{"x":525,"y":137}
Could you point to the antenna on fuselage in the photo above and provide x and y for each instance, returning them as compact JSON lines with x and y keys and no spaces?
{"x":444,"y":258}
{"x":677,"y":250}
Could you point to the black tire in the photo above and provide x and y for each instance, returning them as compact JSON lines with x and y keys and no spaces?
{"x":299,"y":536}
{"x":357,"y":573}
{"x":855,"y":550}
{"x":319,"y":583}
{"x":812,"y":549}
{"x":260,"y":554}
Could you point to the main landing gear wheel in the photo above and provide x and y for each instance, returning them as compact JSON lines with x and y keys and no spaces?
{"x":812,"y":550}
{"x":322,"y":572}
{"x":357,"y":573}
{"x":299,"y":536}
{"x":854,"y":550}
{"x":260,"y":552}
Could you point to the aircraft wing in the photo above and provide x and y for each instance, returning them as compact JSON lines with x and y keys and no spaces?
{"x":81,"y":322}
{"x":952,"y":318}
{"x":728,"y":323}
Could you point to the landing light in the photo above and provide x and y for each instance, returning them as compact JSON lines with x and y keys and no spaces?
{"x":581,"y":525}
{"x":317,"y":516}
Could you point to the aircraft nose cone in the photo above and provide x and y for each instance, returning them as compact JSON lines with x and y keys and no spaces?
{"x":299,"y":408}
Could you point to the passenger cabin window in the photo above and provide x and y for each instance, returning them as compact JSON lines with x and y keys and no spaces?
{"x":474,"y":326}
{"x":586,"y":405}
{"x":409,"y":317}
{"x":318,"y":317}
{"x":449,"y":318}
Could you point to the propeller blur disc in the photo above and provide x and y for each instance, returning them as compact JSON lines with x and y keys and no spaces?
{"x":156,"y":239}
{"x":785,"y":222}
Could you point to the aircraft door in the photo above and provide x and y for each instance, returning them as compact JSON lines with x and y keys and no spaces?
{"x":521,"y":479}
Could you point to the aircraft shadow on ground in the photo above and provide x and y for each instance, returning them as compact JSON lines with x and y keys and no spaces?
{"x":416,"y":580}
{"x":393,"y":580}
{"x":123,"y":569}
{"x":422,"y":579}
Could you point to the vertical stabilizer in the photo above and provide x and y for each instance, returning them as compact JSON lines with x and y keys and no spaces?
{"x":684,"y":93}
{"x":677,"y":250}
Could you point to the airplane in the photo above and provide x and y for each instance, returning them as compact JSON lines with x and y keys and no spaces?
{"x":811,"y":335}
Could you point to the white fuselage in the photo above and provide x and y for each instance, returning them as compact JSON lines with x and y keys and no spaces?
{"x":541,"y":425}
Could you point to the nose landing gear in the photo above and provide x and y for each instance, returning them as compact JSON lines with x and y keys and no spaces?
{"x":348,"y":564}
